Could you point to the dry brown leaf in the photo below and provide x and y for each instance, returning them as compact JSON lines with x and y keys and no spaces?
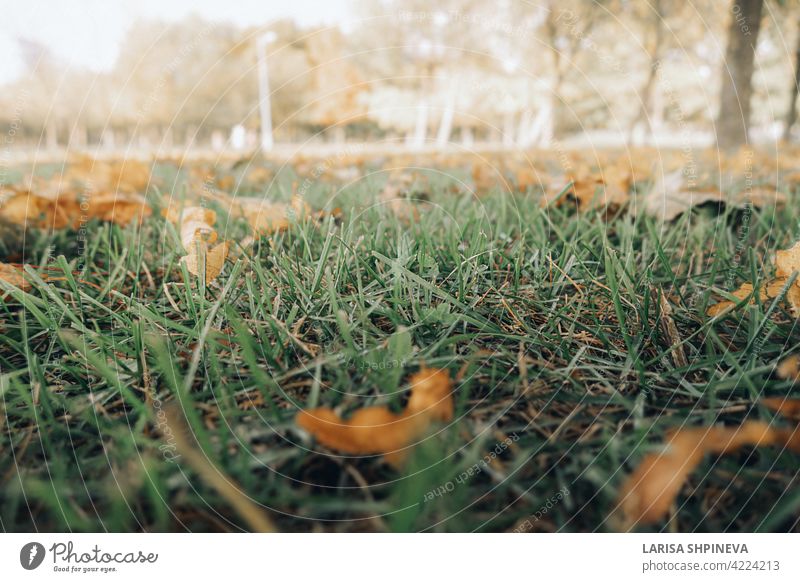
{"x":177,"y":211}
{"x":789,"y":368}
{"x":485,"y":176}
{"x":226,"y":183}
{"x":650,"y":490}
{"x":610,"y":188}
{"x":648,"y":493}
{"x":212,"y":259}
{"x":194,"y":231}
{"x":377,"y":430}
{"x":760,"y":196}
{"x":793,"y":298}
{"x":787,"y":262}
{"x":14,"y":276}
{"x":59,"y":208}
{"x":118,"y":208}
{"x":267,"y":217}
{"x":197,"y":233}
{"x":125,"y":176}
{"x":670,"y":196}
{"x":776,"y":287}
{"x":788,"y":407}
{"x":527,"y":177}
{"x":30,"y":210}
{"x":741,"y":293}
{"x":604,"y":188}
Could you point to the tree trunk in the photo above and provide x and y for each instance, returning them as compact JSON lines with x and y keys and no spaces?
{"x":734,"y":103}
{"x":643,"y":117}
{"x":647,"y":103}
{"x":791,"y":113}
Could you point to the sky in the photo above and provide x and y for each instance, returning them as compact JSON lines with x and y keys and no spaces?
{"x":88,"y":33}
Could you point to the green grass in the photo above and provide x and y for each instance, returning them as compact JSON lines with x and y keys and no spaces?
{"x":552,"y":316}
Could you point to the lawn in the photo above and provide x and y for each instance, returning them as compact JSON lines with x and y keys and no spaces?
{"x":576,"y":339}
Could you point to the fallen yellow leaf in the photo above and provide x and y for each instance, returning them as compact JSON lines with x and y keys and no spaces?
{"x":212,"y":259}
{"x":118,"y":208}
{"x":741,"y":293}
{"x":648,"y":493}
{"x":787,"y":261}
{"x":14,"y":276}
{"x":197,"y":233}
{"x":377,"y":430}
{"x":266,"y":217}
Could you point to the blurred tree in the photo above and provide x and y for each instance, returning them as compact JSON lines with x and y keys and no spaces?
{"x":791,"y":111}
{"x":733,"y":122}
{"x":507,"y":71}
{"x":336,"y":89}
{"x":419,"y":60}
{"x":652,"y":18}
{"x":670,"y":32}
{"x":42,"y":86}
{"x":289,"y":77}
{"x":564,"y":30}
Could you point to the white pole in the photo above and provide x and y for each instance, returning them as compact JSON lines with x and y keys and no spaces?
{"x":446,"y":126}
{"x":421,"y":129}
{"x":264,"y":104}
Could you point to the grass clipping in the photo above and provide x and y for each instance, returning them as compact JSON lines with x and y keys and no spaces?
{"x":649,"y":492}
{"x":257,"y":519}
{"x":378,"y":430}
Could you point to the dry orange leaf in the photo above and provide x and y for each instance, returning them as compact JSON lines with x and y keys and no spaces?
{"x":485,"y":176}
{"x":266,"y":217}
{"x":259,"y":175}
{"x":118,"y":208}
{"x":593,"y":189}
{"x":527,"y":177}
{"x":788,"y":407}
{"x":176,"y":212}
{"x":226,"y":182}
{"x":789,"y":368}
{"x":609,"y":189}
{"x":61,"y":209}
{"x":741,"y":293}
{"x":787,"y":263}
{"x":30,"y":210}
{"x":127,"y":175}
{"x":14,"y":276}
{"x":213,"y":259}
{"x":197,"y":233}
{"x":109,"y":195}
{"x":648,"y":493}
{"x":377,"y":430}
